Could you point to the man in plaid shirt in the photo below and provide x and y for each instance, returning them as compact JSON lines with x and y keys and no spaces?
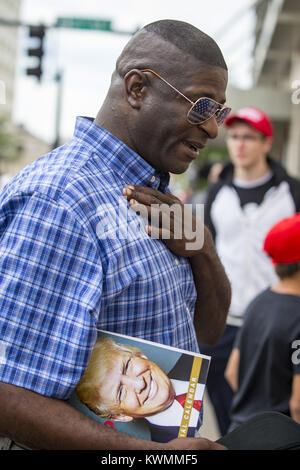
{"x":73,"y":257}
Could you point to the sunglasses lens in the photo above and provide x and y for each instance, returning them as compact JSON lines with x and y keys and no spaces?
{"x":222,"y":115}
{"x":204,"y":109}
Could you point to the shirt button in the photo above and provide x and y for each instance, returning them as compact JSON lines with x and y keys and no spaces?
{"x":152,"y":179}
{"x":176,"y":262}
{"x":187,"y":309}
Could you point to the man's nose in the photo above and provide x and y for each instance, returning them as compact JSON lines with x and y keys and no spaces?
{"x":211,"y":127}
{"x":136,"y":383}
{"x":239,"y":142}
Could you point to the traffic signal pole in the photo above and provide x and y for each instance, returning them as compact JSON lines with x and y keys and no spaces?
{"x":38,"y":33}
{"x":59,"y":81}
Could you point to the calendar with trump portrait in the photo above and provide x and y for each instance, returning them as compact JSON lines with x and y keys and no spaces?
{"x":142,"y":388}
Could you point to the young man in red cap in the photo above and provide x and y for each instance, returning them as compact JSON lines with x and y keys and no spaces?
{"x":253,"y":193}
{"x":264,"y":367}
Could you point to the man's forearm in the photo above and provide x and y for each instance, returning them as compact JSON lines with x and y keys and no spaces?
{"x":43,"y":423}
{"x":213,"y":292}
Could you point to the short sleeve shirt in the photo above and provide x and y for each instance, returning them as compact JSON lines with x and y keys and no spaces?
{"x":74,"y":259}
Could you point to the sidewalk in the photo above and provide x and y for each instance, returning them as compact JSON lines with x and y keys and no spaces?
{"x":209,"y":428}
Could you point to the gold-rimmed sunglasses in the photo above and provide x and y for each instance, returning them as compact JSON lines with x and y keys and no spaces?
{"x":203,"y":109}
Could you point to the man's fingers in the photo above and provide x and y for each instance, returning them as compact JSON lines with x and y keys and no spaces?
{"x":161,"y":215}
{"x":158,"y":233}
{"x":142,"y":210}
{"x":167,"y":219}
{"x":141,"y":197}
{"x":147,"y":195}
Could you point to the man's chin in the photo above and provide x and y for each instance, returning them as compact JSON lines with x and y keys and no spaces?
{"x":180,"y":168}
{"x":159,"y":409}
{"x":178,"y":164}
{"x":167,"y":403}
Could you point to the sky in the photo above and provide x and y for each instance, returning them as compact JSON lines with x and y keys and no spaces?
{"x":87,"y":58}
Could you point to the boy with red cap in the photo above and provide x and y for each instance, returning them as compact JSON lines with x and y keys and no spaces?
{"x":253,"y":193}
{"x":264,"y":367}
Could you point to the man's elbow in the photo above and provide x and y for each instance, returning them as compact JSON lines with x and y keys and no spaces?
{"x":214,"y":338}
{"x":211,"y":336}
{"x":213,"y":323}
{"x":217,"y":329}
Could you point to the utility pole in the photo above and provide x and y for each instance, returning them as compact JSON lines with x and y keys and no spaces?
{"x":38,"y":33}
{"x":59,"y":81}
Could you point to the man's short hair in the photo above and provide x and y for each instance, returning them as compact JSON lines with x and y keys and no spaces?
{"x":139,"y":51}
{"x":189,"y":39}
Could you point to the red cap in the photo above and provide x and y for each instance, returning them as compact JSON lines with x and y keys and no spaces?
{"x":282,"y":243}
{"x":253,"y":116}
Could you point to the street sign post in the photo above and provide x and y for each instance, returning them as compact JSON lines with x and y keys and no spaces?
{"x":84,"y":23}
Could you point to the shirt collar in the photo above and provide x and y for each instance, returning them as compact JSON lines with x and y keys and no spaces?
{"x":130,"y":166}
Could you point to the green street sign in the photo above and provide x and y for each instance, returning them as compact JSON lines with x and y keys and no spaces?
{"x":84,"y":23}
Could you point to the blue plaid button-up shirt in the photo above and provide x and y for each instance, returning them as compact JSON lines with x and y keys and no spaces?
{"x":73,"y":260}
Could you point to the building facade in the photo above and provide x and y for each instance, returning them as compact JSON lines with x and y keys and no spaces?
{"x":277,"y":67}
{"x":9,"y":10}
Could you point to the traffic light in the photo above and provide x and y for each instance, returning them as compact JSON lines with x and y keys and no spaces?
{"x":37,"y":32}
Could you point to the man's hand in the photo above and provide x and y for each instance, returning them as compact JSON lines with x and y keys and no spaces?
{"x":187,"y":236}
{"x":168,"y":219}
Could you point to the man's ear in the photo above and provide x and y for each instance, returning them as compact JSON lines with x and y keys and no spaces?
{"x":122,"y":418}
{"x":136,"y":87}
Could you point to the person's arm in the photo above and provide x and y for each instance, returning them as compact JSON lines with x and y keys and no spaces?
{"x":295,"y":398}
{"x":194,"y":241}
{"x":42,"y":423}
{"x":232,"y":369}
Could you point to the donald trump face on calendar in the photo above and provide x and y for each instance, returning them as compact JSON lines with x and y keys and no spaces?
{"x":120,"y":383}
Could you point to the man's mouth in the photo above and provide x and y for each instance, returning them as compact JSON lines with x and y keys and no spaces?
{"x":152,"y":388}
{"x":193,"y":146}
